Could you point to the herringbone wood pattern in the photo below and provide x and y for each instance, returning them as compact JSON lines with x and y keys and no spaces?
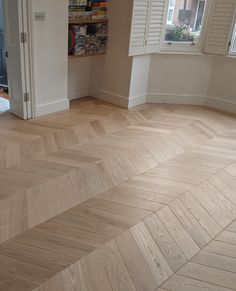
{"x":101,"y":198}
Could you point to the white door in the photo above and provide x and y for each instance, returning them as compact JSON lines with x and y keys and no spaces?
{"x":16,"y":37}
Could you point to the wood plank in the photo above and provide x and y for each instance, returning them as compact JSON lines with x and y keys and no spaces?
{"x":181,"y":283}
{"x":70,"y":279}
{"x":171,"y":251}
{"x":201,"y":215}
{"x":116,"y":208}
{"x":9,"y":283}
{"x":215,"y":261}
{"x":89,"y":224}
{"x":54,"y":244}
{"x":222,"y":217}
{"x":74,"y":234}
{"x":24,"y":271}
{"x":134,"y":192}
{"x":115,"y":268}
{"x":227,"y":237}
{"x":232,"y":227}
{"x":180,"y":235}
{"x":209,"y":275}
{"x":37,"y":256}
{"x":152,"y":254}
{"x":196,"y":231}
{"x":135,"y":263}
{"x":129,"y":201}
{"x":95,"y":274}
{"x":220,"y":199}
{"x":221,"y":248}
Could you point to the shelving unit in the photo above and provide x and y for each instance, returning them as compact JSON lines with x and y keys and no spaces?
{"x":86,"y":56}
{"x":87,"y":37}
{"x":87,"y":21}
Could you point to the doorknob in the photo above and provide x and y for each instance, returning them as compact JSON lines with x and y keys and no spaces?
{"x":6,"y":54}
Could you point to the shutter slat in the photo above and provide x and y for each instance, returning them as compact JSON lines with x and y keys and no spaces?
{"x":139,"y":25}
{"x":157,"y":9}
{"x":220,"y":25}
{"x":146,"y":27}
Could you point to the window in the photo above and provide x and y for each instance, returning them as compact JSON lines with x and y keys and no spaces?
{"x":232,"y":49}
{"x":170,"y":14}
{"x":190,"y":26}
{"x":184,"y":21}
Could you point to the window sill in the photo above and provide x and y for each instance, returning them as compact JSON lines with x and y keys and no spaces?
{"x":231,"y":56}
{"x":165,"y":52}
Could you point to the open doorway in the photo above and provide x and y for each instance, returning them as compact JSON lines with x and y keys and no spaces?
{"x":4,"y":92}
{"x":15,"y":61}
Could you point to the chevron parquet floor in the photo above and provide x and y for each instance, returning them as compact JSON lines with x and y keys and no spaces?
{"x":100,"y":198}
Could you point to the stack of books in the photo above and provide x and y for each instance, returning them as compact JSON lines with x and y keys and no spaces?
{"x":78,"y":9}
{"x":87,"y":9}
{"x":88,"y":39}
{"x":99,"y":9}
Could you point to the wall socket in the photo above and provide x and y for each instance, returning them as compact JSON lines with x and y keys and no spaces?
{"x":39,"y":16}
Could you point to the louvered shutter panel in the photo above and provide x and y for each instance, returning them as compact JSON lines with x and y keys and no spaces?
{"x":220,"y":26}
{"x":155,"y":25}
{"x":139,"y":27}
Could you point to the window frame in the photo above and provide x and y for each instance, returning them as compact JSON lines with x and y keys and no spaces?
{"x":168,"y":10}
{"x":186,"y":47}
{"x":233,"y":40}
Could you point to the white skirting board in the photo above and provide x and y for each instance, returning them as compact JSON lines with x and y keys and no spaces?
{"x":78,"y":93}
{"x":221,"y":104}
{"x":175,"y":99}
{"x":53,"y":107}
{"x":110,"y":97}
{"x":137,"y":100}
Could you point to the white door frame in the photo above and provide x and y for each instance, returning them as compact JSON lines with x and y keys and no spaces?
{"x":28,"y":23}
{"x":25,"y":52}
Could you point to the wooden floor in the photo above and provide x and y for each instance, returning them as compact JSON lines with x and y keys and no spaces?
{"x":4,"y":94}
{"x":100,"y":198}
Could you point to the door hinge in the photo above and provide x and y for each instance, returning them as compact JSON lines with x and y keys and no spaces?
{"x":23,"y":37}
{"x":26,"y":97}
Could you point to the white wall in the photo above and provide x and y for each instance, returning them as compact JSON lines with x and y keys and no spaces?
{"x":179,"y":78}
{"x":139,"y":80}
{"x":222,"y":85}
{"x":50,"y":56}
{"x":111,"y":80}
{"x":117,"y":78}
{"x":79,"y":71}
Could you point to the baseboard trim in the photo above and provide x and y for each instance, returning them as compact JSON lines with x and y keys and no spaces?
{"x":176,"y":99}
{"x":137,"y":100}
{"x":78,"y":93}
{"x":220,"y":104}
{"x":110,"y":97}
{"x":53,"y":107}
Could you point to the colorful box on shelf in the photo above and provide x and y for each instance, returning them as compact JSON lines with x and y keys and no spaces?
{"x":90,"y":36}
{"x":88,"y":39}
{"x":78,"y":2}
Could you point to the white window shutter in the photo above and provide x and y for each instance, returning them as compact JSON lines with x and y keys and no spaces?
{"x":220,"y":27}
{"x":139,"y":27}
{"x":155,"y":25}
{"x":147,"y":26}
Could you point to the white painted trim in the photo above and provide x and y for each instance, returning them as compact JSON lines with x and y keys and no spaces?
{"x":78,"y":93}
{"x":137,"y":100}
{"x":53,"y":107}
{"x":175,"y":99}
{"x":221,"y":104}
{"x":110,"y":97}
{"x":31,"y":55}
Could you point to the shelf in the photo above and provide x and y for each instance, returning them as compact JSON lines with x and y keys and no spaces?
{"x":84,"y":56}
{"x":87,"y":21}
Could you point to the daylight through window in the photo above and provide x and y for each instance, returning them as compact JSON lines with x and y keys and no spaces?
{"x":184,"y":20}
{"x":232,"y":50}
